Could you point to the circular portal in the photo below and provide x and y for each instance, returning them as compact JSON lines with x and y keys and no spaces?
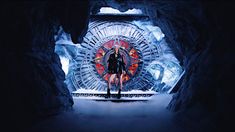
{"x":90,"y":63}
{"x":130,"y":56}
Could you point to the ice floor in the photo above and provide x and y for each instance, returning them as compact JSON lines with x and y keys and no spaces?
{"x":98,"y":116}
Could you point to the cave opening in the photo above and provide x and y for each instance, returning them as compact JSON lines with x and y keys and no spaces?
{"x":151,"y":63}
{"x":179,"y":47}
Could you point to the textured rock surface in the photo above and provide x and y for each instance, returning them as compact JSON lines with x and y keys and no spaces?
{"x":33,"y":77}
{"x":201,"y":37}
{"x":203,"y":96}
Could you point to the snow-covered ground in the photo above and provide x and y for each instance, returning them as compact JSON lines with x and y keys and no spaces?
{"x":98,"y":116}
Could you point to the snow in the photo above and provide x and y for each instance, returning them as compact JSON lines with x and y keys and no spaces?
{"x":110,"y":10}
{"x":82,"y":90}
{"x":65,"y":64}
{"x":98,"y":116}
{"x":114,"y":99}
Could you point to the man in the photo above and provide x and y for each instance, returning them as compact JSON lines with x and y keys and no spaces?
{"x":116,"y":67}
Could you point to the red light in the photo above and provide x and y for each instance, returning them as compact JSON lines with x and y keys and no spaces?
{"x":132,"y":55}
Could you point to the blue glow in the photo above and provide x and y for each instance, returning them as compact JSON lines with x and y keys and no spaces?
{"x":161,"y":68}
{"x":166,"y":72}
{"x":156,"y":32}
{"x":152,"y":31}
{"x":110,"y":10}
{"x":172,"y":70}
{"x":65,"y":64}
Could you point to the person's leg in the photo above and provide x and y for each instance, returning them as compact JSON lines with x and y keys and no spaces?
{"x":110,"y":80}
{"x":116,"y":80}
{"x":120,"y":89}
{"x":109,"y":84}
{"x":120,"y":80}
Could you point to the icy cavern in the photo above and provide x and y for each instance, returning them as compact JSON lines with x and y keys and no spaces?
{"x":178,"y":56}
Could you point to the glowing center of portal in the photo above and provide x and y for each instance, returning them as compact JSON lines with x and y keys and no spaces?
{"x":130,"y":56}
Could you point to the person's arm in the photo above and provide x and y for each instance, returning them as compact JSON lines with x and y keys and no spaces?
{"x":110,"y":58}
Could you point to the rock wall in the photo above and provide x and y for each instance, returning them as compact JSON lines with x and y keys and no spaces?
{"x":200,"y":34}
{"x":204,"y":93}
{"x":33,"y":75}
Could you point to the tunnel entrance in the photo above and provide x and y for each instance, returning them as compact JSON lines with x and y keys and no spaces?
{"x":152,"y":66}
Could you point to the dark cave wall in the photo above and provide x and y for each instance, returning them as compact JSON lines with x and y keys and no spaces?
{"x":203,"y":95}
{"x":33,"y":75}
{"x":200,"y":33}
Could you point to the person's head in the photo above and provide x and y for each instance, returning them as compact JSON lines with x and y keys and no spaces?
{"x":116,"y":49}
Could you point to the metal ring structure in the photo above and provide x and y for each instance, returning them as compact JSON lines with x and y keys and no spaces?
{"x":86,"y":75}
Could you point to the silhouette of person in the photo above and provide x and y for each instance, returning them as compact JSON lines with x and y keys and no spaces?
{"x":116,"y":67}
